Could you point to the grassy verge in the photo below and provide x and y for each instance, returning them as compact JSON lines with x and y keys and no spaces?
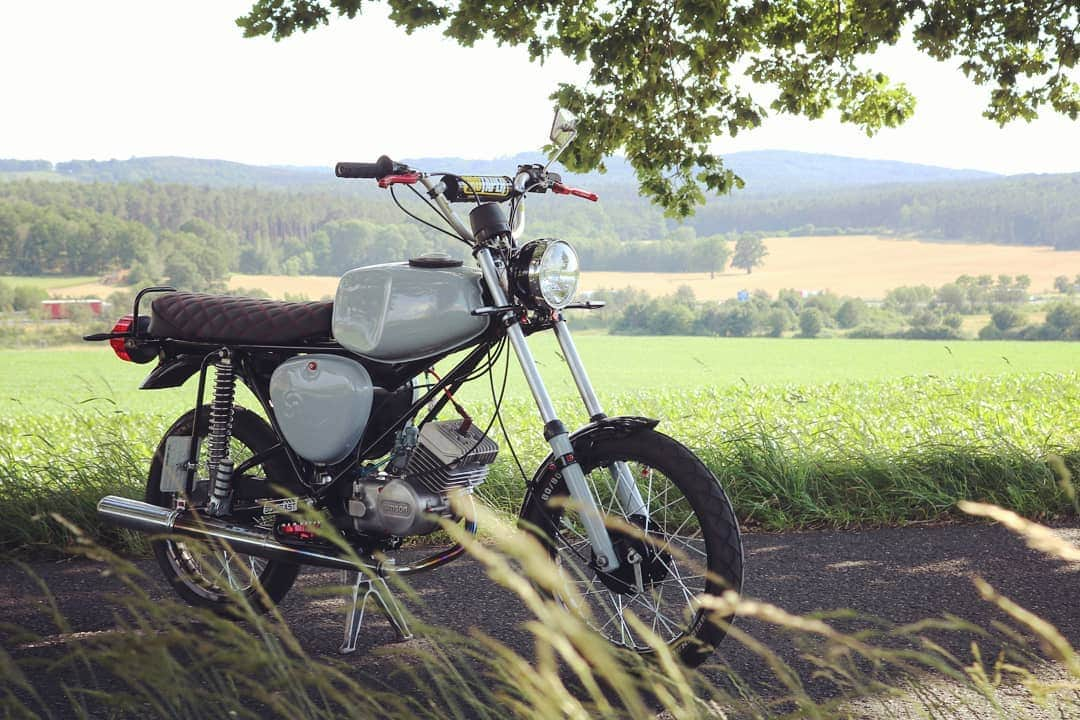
{"x":837,"y":455}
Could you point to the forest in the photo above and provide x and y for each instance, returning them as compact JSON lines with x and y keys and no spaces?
{"x":195,"y":234}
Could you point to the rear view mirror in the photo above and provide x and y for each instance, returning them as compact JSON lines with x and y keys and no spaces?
{"x":563,"y":128}
{"x":563,"y":132}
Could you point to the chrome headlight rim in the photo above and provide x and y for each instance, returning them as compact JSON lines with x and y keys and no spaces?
{"x":526,"y":273}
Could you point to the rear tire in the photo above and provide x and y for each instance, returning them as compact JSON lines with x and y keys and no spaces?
{"x":188,"y":574}
{"x":691,"y":525}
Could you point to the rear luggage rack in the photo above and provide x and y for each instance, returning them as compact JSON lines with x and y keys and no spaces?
{"x":128,"y":337}
{"x":137,"y":329}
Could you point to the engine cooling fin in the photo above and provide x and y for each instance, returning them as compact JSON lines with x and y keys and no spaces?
{"x":448,"y":459}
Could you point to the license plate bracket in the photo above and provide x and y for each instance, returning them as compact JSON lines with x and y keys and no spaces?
{"x":174,"y":471}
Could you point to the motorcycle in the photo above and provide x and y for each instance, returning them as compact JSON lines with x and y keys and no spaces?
{"x":351,"y":430}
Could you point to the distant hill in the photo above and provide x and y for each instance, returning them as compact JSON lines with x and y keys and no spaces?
{"x":192,"y":171}
{"x":780,"y":171}
{"x":7,"y":166}
{"x":765,"y":171}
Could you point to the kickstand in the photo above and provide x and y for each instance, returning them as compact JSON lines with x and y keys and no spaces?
{"x":364,"y":587}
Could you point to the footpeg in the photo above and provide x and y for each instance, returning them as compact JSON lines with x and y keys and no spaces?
{"x":367,"y":586}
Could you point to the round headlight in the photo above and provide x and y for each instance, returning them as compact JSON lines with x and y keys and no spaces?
{"x":546,"y":272}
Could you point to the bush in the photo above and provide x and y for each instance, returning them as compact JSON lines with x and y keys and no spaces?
{"x":811,"y":321}
{"x":779,"y":320}
{"x":28,"y":297}
{"x":735,"y":322}
{"x":851,"y":313}
{"x":929,"y":332}
{"x":828,"y":303}
{"x":869,"y":332}
{"x":673,"y":319}
{"x":1042,"y":332}
{"x":1064,"y":317}
{"x":1006,"y":319}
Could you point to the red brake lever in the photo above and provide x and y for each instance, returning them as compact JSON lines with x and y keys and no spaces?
{"x":560,"y":189}
{"x":408,"y":179}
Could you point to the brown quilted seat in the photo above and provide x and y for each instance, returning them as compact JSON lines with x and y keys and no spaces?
{"x":227,"y":319}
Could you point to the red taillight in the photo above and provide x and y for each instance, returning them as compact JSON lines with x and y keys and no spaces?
{"x":123,"y":325}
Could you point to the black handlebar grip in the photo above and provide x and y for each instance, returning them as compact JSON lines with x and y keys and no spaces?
{"x":380,"y":168}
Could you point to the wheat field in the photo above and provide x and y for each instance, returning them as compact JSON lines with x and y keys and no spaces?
{"x":859,"y":265}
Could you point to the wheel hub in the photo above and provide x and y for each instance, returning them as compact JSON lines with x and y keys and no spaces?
{"x":638,"y":559}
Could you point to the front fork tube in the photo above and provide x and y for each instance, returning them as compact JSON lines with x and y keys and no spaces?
{"x":554,"y":431}
{"x":563,"y":451}
{"x":626,"y":490}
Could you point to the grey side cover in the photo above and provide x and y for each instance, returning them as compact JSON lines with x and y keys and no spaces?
{"x":322,"y":403}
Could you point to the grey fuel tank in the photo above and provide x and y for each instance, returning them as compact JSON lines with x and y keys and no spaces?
{"x":399,"y":312}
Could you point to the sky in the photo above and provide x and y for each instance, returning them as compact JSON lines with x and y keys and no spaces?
{"x":120,"y":79}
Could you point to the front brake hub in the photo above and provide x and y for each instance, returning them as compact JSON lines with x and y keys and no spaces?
{"x":641,"y":563}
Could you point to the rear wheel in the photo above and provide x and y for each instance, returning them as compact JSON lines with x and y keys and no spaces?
{"x":211,"y":576}
{"x":686,"y":545}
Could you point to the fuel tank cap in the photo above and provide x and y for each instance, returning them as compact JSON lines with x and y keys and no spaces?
{"x":435,"y":260}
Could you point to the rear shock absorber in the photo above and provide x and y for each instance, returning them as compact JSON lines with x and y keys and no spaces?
{"x":221,"y":422}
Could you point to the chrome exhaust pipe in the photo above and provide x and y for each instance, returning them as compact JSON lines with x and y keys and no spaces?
{"x":147,"y":518}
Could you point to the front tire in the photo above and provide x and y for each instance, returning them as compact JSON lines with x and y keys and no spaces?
{"x":691,"y":528}
{"x":201,"y":578}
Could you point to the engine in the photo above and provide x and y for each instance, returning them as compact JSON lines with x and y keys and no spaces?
{"x":427,"y":468}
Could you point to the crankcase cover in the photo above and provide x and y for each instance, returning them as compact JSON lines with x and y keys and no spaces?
{"x":398,"y":312}
{"x":322,"y":403}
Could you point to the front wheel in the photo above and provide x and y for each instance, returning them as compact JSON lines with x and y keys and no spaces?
{"x":685,"y":545}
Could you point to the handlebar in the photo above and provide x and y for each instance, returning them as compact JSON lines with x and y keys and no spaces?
{"x":465,"y":188}
{"x":469,"y":188}
{"x":380,"y":168}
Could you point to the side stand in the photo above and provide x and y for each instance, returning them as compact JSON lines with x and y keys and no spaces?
{"x":364,"y":587}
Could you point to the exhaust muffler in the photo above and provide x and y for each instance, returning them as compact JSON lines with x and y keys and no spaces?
{"x":154,"y":520}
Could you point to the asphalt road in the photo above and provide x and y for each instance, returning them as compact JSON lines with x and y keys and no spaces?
{"x":900,"y":575}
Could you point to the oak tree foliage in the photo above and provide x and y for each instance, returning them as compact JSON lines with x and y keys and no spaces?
{"x":668,"y":77}
{"x":750,"y":251}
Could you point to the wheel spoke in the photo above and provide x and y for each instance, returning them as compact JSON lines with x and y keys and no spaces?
{"x":674,"y":570}
{"x":675,"y":534}
{"x":226,"y":566}
{"x":672,"y":626}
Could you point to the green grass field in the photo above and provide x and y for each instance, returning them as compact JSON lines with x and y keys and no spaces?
{"x":48,"y":282}
{"x":53,"y":381}
{"x":802,"y":433}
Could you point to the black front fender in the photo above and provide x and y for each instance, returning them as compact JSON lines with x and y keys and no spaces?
{"x":585,"y":436}
{"x":173,"y":372}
